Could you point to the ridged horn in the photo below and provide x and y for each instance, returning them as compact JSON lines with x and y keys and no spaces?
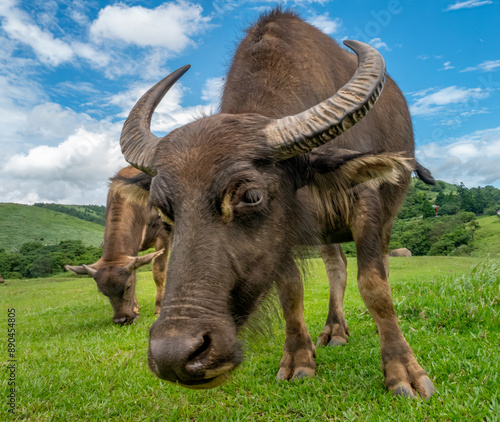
{"x":137,"y":141}
{"x":299,"y":134}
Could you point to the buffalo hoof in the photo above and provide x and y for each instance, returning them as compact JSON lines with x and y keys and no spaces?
{"x":427,"y":388}
{"x":404,"y":389}
{"x":333,"y":335}
{"x":337,"y":341}
{"x":424,"y":387}
{"x":285,"y":374}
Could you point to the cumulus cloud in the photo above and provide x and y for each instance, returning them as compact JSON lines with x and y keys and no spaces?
{"x":20,"y":27}
{"x":325,"y":23}
{"x":19,"y":95}
{"x":170,"y":25}
{"x":472,"y":159}
{"x":487,"y":66}
{"x":49,"y":122}
{"x":379,"y":44}
{"x":467,"y":4}
{"x":212,"y":90}
{"x":448,"y":100}
{"x":76,"y":169}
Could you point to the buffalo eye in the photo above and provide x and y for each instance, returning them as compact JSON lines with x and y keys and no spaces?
{"x":251,"y":198}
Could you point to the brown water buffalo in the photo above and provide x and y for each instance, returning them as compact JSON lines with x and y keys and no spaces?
{"x":129,"y":228}
{"x":400,"y":252}
{"x":294,"y":158}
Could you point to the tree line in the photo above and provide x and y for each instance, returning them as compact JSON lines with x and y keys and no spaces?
{"x":37,"y":260}
{"x":452,"y":232}
{"x":93,"y":213}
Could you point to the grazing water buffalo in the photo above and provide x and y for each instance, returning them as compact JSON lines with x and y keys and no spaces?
{"x":400,"y":252}
{"x":129,"y":228}
{"x":293,"y":158}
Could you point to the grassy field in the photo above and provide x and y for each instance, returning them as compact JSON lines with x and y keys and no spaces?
{"x":74,"y":364}
{"x":24,"y":223}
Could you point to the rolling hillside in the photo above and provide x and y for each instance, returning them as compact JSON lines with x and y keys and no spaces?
{"x":487,"y":237}
{"x":25,"y":223}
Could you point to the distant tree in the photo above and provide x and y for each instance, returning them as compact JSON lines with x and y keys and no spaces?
{"x":426,"y":209}
{"x":41,"y":267}
{"x":466,"y":200}
{"x":479,"y":200}
{"x":30,"y":247}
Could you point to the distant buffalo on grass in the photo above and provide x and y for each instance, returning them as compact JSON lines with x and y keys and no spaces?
{"x":129,"y":229}
{"x":400,"y":252}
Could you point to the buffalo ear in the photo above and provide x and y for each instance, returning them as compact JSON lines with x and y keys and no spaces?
{"x":134,"y":189}
{"x":352,"y":168}
{"x":139,"y":261}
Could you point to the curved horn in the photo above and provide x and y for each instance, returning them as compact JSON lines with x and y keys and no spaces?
{"x":137,"y":140}
{"x":77,"y":269}
{"x":90,"y":270}
{"x":299,"y":134}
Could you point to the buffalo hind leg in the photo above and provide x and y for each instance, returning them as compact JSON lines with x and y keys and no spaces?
{"x":336,"y":330}
{"x":403,"y":375}
{"x":160,"y":273}
{"x":299,"y":351}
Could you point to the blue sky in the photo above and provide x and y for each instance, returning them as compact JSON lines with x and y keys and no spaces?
{"x":70,"y":70}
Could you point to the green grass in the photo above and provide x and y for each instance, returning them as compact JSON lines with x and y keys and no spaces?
{"x":24,"y":223}
{"x":73,"y":364}
{"x":487,"y":237}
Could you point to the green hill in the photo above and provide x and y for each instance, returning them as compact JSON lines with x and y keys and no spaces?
{"x":487,"y":237}
{"x":92,"y":213}
{"x":25,"y":223}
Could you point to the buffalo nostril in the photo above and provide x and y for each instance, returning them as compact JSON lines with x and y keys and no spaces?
{"x":197,"y":359}
{"x":121,"y":320}
{"x":180,"y":357}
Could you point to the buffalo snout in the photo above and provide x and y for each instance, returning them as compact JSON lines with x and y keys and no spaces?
{"x":198,"y":359}
{"x":125,"y":318}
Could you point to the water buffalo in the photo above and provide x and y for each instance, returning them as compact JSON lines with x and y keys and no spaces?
{"x":129,"y":228}
{"x":400,"y":252}
{"x":294,"y":157}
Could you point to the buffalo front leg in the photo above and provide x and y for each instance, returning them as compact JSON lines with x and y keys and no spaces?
{"x":159,"y":275}
{"x":403,"y":375}
{"x":336,"y":330}
{"x":299,"y":351}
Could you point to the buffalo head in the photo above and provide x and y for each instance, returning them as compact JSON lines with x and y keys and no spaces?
{"x":116,"y":281}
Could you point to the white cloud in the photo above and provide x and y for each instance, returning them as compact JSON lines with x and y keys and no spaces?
{"x":467,"y":4}
{"x":49,"y":122}
{"x":447,"y":66}
{"x":472,"y":159}
{"x":212,"y":90}
{"x":325,"y":23}
{"x":379,"y":44}
{"x":20,"y":27}
{"x":86,"y":51}
{"x":487,"y":66}
{"x":77,"y":169}
{"x":169,"y":26}
{"x":19,"y":95}
{"x":427,"y":57}
{"x":447,"y":100}
{"x":169,"y":114}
